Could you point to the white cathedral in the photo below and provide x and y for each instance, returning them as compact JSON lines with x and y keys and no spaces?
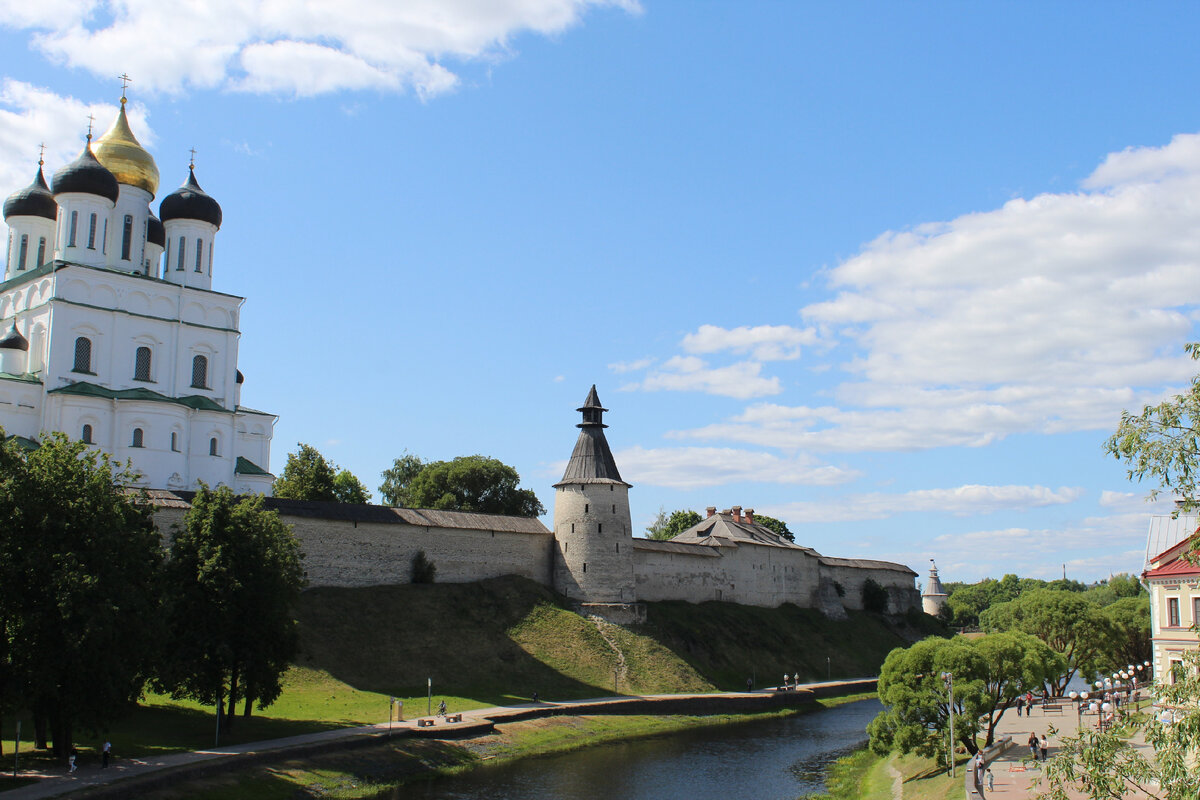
{"x":110,"y":330}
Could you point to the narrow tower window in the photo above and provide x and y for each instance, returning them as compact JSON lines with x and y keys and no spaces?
{"x":74,"y":227}
{"x":182,"y":247}
{"x":199,"y":255}
{"x":127,"y":237}
{"x":210,"y":262}
{"x":212,"y":446}
{"x":87,"y":435}
{"x":41,"y":251}
{"x":137,"y":438}
{"x":141,"y":364}
{"x":585,"y":508}
{"x":600,"y":528}
{"x":92,"y":232}
{"x":104,"y":238}
{"x":83,"y":355}
{"x":174,"y":442}
{"x":200,"y":372}
{"x":24,"y":251}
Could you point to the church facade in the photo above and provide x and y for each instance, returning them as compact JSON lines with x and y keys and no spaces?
{"x":110,"y":330}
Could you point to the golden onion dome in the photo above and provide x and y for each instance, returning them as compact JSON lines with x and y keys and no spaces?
{"x":119,"y":151}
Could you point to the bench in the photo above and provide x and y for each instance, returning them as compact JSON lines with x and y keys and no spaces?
{"x":454,"y":718}
{"x":425,"y":723}
{"x":1052,"y":709}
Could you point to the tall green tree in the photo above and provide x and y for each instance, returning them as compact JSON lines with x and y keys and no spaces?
{"x":235,"y":574}
{"x":396,"y":480}
{"x":467,"y":483}
{"x":1068,"y":622}
{"x":308,"y":475}
{"x":81,"y":566}
{"x":1128,"y":640}
{"x":668,"y":526}
{"x":988,"y":674}
{"x":1162,"y":443}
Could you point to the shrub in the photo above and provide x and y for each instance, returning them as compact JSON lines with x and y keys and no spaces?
{"x":875,"y":597}
{"x":423,"y":570}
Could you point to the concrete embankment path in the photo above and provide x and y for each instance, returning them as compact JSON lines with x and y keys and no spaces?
{"x":131,"y":774}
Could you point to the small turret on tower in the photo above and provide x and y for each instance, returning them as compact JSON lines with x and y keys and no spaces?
{"x":592,"y":526}
{"x":934,"y":596}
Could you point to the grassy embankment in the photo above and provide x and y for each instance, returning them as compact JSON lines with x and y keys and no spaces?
{"x":496,"y":642}
{"x":866,"y":776}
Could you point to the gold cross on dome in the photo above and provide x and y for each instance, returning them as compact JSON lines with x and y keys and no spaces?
{"x":192,"y":160}
{"x":125,"y":81}
{"x":42,"y":154}
{"x":91,"y":119}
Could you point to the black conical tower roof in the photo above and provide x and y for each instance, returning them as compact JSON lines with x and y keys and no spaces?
{"x":190,"y":202}
{"x":14,"y":340}
{"x":592,"y":460}
{"x":35,"y":200}
{"x":86,"y":175}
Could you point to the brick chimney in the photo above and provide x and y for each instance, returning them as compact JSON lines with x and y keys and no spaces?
{"x":750,"y":516}
{"x":737,"y":513}
{"x":711,"y":511}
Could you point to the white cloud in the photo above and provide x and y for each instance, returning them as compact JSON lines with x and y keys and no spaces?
{"x":742,"y":380}
{"x":1047,"y":315}
{"x":277,"y":46}
{"x":622,"y":367}
{"x":697,"y":467}
{"x":962,"y":501}
{"x":762,"y":342}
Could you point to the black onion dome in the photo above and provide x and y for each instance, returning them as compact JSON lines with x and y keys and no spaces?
{"x":190,"y":202}
{"x":35,"y":200}
{"x":155,"y":232}
{"x":13,"y":340}
{"x":87,"y":175}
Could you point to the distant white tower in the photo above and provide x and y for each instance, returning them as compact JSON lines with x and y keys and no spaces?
{"x":592,"y":526}
{"x":934,"y":596}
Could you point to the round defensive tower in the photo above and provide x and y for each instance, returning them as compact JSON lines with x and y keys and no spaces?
{"x":592,"y":527}
{"x":934,"y":596}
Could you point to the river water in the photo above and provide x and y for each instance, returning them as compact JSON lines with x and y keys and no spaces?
{"x":777,"y":759}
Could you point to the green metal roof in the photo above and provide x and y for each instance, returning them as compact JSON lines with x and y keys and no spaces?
{"x":24,"y":442}
{"x":86,"y":389}
{"x":247,"y":467}
{"x":26,"y":378}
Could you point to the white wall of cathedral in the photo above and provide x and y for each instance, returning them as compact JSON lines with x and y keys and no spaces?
{"x":83,"y":228}
{"x":20,"y":408}
{"x":254,"y":433}
{"x":128,"y":225}
{"x":189,"y":252}
{"x":30,"y":244}
{"x":154,"y":256}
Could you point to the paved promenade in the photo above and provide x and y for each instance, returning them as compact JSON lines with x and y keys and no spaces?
{"x":1015,"y":776}
{"x":475,"y":722}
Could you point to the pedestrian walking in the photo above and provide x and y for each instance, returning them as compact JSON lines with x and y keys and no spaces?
{"x":1020,"y":704}
{"x":104,"y":751}
{"x":979,"y":768}
{"x":1045,"y":746}
{"x":442,"y":709}
{"x":991,"y":781}
{"x":749,"y":684}
{"x":1033,"y":746}
{"x":71,"y":760}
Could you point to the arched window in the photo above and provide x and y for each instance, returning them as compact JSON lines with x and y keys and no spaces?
{"x":104,"y":239}
{"x":174,"y":442}
{"x":87,"y":435}
{"x":92,"y":232}
{"x":210,"y":262}
{"x":41,"y":251}
{"x":199,"y":254}
{"x":24,"y":251}
{"x":200,"y":372}
{"x":141,"y":364}
{"x":182,"y":247}
{"x":83,"y":355}
{"x":137,"y":438}
{"x":74,"y":227}
{"x":212,"y":446}
{"x":127,"y":237}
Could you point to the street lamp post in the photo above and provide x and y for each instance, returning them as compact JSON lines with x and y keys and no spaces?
{"x":948,"y":677}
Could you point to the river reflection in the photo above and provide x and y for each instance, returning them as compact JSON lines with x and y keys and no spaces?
{"x":778,"y":759}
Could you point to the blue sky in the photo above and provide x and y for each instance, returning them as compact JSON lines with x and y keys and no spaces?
{"x":887,"y":271}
